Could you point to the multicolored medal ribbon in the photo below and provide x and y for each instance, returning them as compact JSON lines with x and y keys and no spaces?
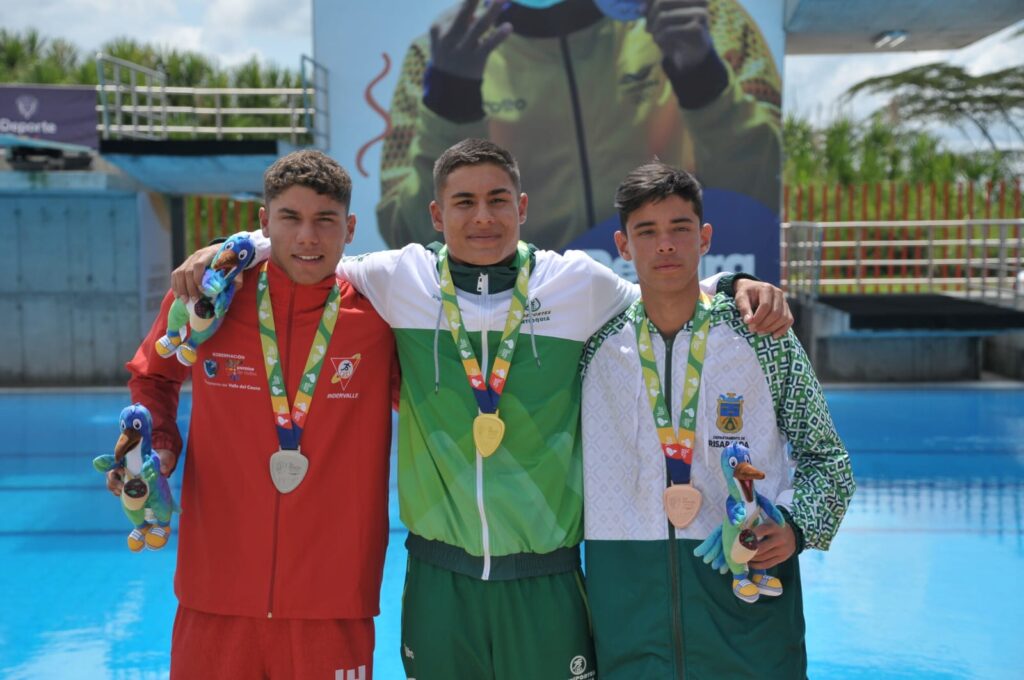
{"x":488,"y":428}
{"x":682,"y":500}
{"x":288,"y":466}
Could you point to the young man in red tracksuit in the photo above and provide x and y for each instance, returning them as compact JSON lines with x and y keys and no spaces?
{"x":271,"y":582}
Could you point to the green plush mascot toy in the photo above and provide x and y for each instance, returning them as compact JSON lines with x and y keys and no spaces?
{"x":731,"y":546}
{"x":192,"y":323}
{"x":146,"y":497}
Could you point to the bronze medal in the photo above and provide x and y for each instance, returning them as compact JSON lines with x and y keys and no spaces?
{"x":682,"y":503}
{"x":488,"y":431}
{"x":287,"y":469}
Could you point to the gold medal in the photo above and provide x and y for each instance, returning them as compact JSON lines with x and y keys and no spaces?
{"x":287,"y":469}
{"x":682,"y":503}
{"x":488,"y":431}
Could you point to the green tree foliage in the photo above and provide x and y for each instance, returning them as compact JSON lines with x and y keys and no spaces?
{"x":846,"y":152}
{"x":948,"y":94}
{"x":28,"y":57}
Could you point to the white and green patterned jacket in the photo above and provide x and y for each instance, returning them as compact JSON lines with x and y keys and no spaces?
{"x":682,"y":618}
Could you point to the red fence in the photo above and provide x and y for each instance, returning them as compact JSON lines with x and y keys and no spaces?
{"x":902,"y":201}
{"x":207,"y":217}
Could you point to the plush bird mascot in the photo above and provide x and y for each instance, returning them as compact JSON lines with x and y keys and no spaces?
{"x":146,"y":497}
{"x":731,"y":546}
{"x":189,"y":324}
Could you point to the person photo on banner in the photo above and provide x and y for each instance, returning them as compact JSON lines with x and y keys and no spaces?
{"x":582,"y":91}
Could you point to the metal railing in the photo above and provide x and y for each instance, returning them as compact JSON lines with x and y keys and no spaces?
{"x":119,"y":80}
{"x":976,"y":258}
{"x":135,"y":102}
{"x":316,"y":101}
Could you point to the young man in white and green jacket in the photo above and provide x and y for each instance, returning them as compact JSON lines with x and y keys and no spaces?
{"x":658,"y":610}
{"x":493,"y":587}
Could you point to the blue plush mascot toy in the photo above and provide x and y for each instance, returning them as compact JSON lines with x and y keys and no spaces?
{"x":146,"y":497}
{"x":731,"y":546}
{"x":192,"y":323}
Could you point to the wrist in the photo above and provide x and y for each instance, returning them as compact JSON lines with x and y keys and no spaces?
{"x":798,"y":534}
{"x":727,"y":284}
{"x":697,"y":85}
{"x":454,"y":98}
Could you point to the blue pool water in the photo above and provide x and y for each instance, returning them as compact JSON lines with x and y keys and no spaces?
{"x":922,"y":581}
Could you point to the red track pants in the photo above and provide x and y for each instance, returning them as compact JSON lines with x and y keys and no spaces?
{"x":243,"y":648}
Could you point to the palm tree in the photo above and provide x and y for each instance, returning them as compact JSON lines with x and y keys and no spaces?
{"x":947,"y":93}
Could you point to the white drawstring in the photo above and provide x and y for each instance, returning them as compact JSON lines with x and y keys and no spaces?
{"x":437,"y":361}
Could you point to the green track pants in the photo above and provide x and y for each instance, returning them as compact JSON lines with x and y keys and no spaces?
{"x":456,"y":627}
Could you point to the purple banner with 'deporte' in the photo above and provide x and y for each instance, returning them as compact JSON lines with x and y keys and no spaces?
{"x":54,"y":114}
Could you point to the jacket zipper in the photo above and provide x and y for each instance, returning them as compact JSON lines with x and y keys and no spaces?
{"x":483,"y":288}
{"x":676,"y":606}
{"x":282,"y":345}
{"x":581,"y":141}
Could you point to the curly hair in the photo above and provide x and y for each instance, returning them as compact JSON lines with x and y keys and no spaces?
{"x":307,"y":168}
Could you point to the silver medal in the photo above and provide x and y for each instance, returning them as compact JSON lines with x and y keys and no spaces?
{"x":287,"y":469}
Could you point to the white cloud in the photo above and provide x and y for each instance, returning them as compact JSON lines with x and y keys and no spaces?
{"x":815,"y":85}
{"x":232,"y":31}
{"x":264,"y":28}
{"x":180,"y":37}
{"x":89,"y":23}
{"x":995,"y":52}
{"x":269,"y":16}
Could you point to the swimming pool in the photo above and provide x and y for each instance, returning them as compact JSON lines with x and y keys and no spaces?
{"x":920,"y":583}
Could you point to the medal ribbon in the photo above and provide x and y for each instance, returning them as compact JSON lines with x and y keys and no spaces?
{"x":290,"y":422}
{"x":678,"y":448}
{"x":487,"y":393}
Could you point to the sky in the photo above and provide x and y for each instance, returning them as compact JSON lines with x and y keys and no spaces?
{"x":235,"y":30}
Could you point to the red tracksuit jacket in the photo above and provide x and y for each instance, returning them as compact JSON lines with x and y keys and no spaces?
{"x":245,"y":549}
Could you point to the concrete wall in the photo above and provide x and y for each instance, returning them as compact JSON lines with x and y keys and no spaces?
{"x":81,"y":273}
{"x":908,"y":357}
{"x":839,"y":354}
{"x":1004,"y":354}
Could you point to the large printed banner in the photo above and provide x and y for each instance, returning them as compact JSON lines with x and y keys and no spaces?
{"x":581,"y":92}
{"x":54,"y":114}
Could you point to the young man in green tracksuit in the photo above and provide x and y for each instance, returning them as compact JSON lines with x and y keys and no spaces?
{"x":668,"y":386}
{"x":489,"y":333}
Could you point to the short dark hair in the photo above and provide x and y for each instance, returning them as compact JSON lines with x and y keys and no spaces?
{"x":307,"y":168}
{"x":473,"y":152}
{"x":655,"y":181}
